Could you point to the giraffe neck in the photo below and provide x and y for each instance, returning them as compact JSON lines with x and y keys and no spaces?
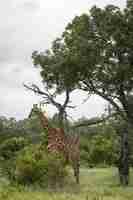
{"x":44,"y":121}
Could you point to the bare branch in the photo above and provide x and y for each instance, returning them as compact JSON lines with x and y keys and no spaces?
{"x":95,"y":121}
{"x":73,"y":107}
{"x":49,"y":98}
{"x":104,"y":96}
{"x":86,"y":99}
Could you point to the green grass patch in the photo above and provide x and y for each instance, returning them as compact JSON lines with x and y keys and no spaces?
{"x":95,"y":184}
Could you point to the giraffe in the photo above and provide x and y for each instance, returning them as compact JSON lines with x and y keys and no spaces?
{"x":58,"y":141}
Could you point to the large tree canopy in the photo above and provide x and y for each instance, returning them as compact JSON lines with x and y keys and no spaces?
{"x":95,"y":54}
{"x":100,"y":50}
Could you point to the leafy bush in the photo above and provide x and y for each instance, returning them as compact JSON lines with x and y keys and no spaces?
{"x":103,"y":151}
{"x":84,"y":157}
{"x":8,"y":152}
{"x":33,"y":165}
{"x":84,"y":150}
{"x":56,"y":169}
{"x":10,"y":147}
{"x":99,"y":150}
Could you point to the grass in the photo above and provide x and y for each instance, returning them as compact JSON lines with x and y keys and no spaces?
{"x":95,"y":184}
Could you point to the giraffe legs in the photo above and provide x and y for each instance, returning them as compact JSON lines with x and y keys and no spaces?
{"x":76,"y":171}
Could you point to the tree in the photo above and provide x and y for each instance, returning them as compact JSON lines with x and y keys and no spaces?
{"x":99,"y":60}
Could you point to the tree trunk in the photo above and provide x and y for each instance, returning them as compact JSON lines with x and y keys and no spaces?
{"x":61,"y":120}
{"x":123,"y":164}
{"x":61,"y":117}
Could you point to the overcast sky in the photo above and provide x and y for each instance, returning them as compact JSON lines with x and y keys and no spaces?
{"x":28,"y":25}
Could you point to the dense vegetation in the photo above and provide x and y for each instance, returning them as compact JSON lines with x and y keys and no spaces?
{"x":96,"y":140}
{"x":101,"y":139}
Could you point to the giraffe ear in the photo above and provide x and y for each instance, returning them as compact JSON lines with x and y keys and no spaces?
{"x":41,"y":104}
{"x":30,"y":114}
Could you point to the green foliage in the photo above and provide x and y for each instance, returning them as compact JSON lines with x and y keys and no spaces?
{"x":29,"y":129}
{"x":102,"y":151}
{"x":100,"y":43}
{"x":44,"y":134}
{"x":29,"y":166}
{"x":49,"y":63}
{"x":56,"y":169}
{"x":84,"y":150}
{"x":33,"y":165}
{"x":85,"y":158}
{"x":10,"y":147}
{"x":104,"y":142}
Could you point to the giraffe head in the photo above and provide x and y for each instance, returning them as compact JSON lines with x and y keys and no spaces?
{"x":36,"y":110}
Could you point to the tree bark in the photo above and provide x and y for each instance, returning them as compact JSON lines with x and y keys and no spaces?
{"x":123,"y":165}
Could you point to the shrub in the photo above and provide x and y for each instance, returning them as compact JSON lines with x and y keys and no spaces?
{"x":56,"y":169}
{"x":103,"y":151}
{"x":33,"y":165}
{"x":10,"y":147}
{"x":84,"y":151}
{"x":8,"y":152}
{"x":99,"y":150}
{"x":84,"y":157}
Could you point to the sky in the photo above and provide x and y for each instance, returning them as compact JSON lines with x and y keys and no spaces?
{"x":28,"y":25}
